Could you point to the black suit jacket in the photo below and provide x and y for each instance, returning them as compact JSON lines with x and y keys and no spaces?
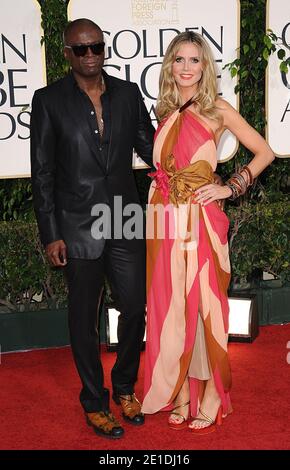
{"x":68,"y":176}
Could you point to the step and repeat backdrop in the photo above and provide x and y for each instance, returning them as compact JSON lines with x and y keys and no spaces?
{"x":137,"y":33}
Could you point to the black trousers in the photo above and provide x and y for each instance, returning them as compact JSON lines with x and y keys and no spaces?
{"x":125,"y":271}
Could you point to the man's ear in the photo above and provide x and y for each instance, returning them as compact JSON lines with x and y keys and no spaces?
{"x":65,"y":53}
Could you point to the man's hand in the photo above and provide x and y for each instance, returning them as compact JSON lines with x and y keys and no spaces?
{"x":217,"y":179}
{"x":56,"y":253}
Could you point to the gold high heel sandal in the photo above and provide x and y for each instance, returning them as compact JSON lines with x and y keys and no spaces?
{"x":212,"y":423}
{"x":183,"y":423}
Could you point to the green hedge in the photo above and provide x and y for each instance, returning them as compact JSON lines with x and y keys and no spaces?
{"x":25,"y":273}
{"x":27,"y":282}
{"x":259,"y":241}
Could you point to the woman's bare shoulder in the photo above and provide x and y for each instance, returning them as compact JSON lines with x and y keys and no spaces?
{"x":229,"y":114}
{"x":223,"y":105}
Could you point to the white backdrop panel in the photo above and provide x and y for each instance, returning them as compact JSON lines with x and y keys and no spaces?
{"x":277,"y":83}
{"x":22,"y":71}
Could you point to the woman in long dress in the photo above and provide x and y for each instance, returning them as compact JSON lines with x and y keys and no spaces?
{"x":187,"y":367}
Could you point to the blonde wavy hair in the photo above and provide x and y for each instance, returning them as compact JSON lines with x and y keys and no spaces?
{"x":169,"y":98}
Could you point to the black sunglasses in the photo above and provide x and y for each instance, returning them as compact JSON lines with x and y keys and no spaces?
{"x":80,"y":50}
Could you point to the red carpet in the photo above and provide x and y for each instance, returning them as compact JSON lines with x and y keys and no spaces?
{"x":40,"y":409}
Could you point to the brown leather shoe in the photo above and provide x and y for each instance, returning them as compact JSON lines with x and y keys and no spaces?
{"x":105,"y":424}
{"x":131,"y":408}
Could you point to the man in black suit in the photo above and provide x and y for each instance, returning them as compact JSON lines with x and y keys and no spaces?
{"x":83,"y":130}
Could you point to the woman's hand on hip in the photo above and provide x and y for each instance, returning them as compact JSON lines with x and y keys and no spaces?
{"x":211,"y":192}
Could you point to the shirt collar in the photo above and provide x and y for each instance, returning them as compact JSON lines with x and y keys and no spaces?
{"x":107,"y":79}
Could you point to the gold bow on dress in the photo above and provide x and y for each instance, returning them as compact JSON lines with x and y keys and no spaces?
{"x":182,"y":183}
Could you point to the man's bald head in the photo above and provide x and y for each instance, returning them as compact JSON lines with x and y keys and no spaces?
{"x":79,"y":25}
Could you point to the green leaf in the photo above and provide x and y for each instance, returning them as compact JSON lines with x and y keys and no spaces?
{"x":246,"y":48}
{"x":244,"y":73}
{"x":253,"y":44}
{"x":255,"y":73}
{"x":267,"y":42}
{"x":237,"y":89}
{"x":284,"y":67}
{"x":266,"y":54}
{"x":234,"y":72}
{"x":281,"y":54}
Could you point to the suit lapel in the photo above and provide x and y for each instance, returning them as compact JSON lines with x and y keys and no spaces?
{"x":116,"y":117}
